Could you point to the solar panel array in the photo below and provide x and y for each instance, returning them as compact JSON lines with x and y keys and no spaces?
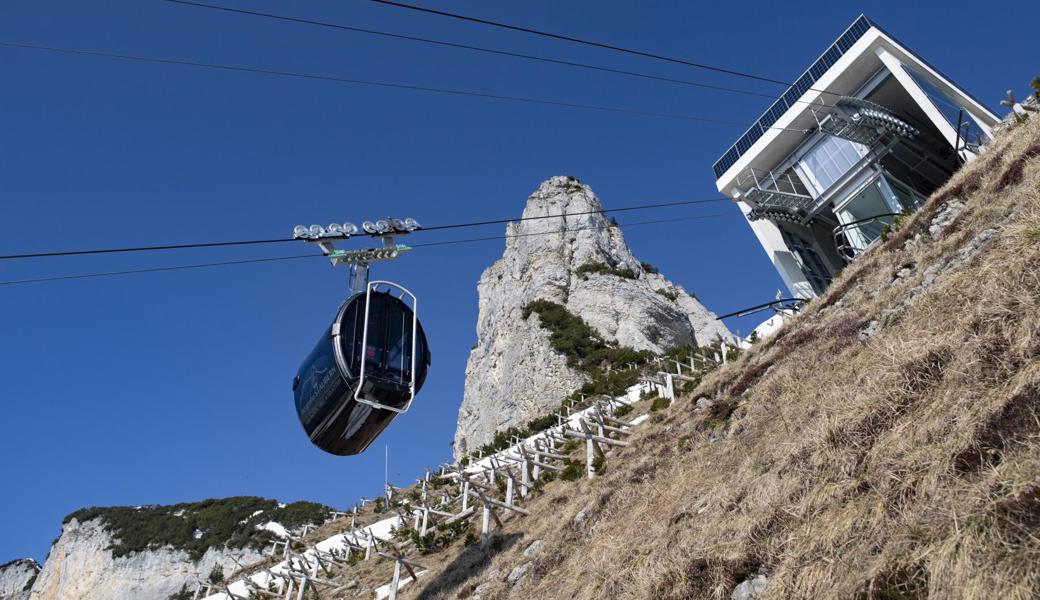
{"x":793,"y":93}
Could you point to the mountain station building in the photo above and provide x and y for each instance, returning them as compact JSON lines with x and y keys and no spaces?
{"x":865,"y":134}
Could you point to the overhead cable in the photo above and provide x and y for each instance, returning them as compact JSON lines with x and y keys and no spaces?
{"x":468,"y":47}
{"x":370,"y":83}
{"x":576,"y":40}
{"x":151,"y":248}
{"x":299,"y":256}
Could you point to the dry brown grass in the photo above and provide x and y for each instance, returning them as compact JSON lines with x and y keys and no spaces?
{"x":904,"y":465}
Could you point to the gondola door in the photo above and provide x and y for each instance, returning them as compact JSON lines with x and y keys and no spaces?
{"x":388,"y":348}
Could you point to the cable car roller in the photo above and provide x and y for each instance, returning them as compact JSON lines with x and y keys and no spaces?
{"x":372,"y":360}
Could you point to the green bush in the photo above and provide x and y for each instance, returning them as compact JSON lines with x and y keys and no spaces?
{"x":216,"y":574}
{"x":572,"y":471}
{"x":568,"y":334}
{"x":599,"y":268}
{"x":226,"y":522}
{"x":668,"y":294}
{"x":659,"y":403}
{"x":599,"y":465}
{"x":183,"y":594}
{"x":623,"y":410}
{"x":585,"y":351}
{"x":649,"y":268}
{"x":541,"y":424}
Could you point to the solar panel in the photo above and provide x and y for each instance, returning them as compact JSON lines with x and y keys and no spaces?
{"x":836,"y":50}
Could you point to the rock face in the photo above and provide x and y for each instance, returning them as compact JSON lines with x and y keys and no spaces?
{"x":16,"y":577}
{"x":513,"y":374}
{"x":81,"y":567}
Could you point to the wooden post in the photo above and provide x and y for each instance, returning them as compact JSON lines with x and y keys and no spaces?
{"x":465,"y":495}
{"x":537,"y":459}
{"x":485,"y":525}
{"x":509,"y":489}
{"x":396,"y":581}
{"x":525,"y":477}
{"x":589,"y":471}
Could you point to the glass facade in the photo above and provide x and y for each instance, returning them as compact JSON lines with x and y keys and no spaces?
{"x":949,"y":108}
{"x":866,"y":213}
{"x":830,"y":159}
{"x":809,"y":261}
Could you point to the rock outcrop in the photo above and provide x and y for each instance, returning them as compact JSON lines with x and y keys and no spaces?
{"x":16,"y":578}
{"x":82,"y":567}
{"x":157,"y":552}
{"x":513,"y":373}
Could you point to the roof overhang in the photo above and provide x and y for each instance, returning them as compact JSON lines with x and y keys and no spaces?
{"x":790,"y":120}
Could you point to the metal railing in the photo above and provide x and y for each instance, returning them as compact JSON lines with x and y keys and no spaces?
{"x":854,"y":237}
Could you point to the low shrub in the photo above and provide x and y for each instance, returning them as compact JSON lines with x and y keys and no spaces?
{"x":572,"y":471}
{"x":660,"y":403}
{"x":598,"y":268}
{"x":199,"y":526}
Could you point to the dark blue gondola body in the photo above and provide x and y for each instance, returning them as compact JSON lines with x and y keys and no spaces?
{"x":325,"y":385}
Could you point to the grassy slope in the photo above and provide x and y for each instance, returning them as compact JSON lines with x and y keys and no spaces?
{"x":902,"y":465}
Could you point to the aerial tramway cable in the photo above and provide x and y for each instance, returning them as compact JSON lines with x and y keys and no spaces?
{"x":469,"y":47}
{"x":281,"y":240}
{"x":301,"y":256}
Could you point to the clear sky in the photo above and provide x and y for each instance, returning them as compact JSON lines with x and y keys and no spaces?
{"x":172,"y":387}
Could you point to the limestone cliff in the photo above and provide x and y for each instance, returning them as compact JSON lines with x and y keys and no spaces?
{"x":16,"y":578}
{"x":158,"y":552}
{"x":582,"y":262}
{"x":81,"y":567}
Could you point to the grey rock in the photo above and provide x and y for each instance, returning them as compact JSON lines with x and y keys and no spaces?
{"x":750,"y":589}
{"x":513,"y":375}
{"x":533,"y":550}
{"x":583,"y":514}
{"x":869,"y":331}
{"x":81,"y":566}
{"x":703,"y":403}
{"x":904,"y":273}
{"x":16,"y":577}
{"x":518,"y":573}
{"x":946,"y":215}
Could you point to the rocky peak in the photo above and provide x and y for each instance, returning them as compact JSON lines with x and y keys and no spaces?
{"x":17,"y":577}
{"x":580,"y":261}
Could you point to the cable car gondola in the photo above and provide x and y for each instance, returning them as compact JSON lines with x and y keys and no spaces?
{"x":368,"y":365}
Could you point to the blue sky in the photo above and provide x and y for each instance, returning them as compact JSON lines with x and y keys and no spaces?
{"x":172,"y":387}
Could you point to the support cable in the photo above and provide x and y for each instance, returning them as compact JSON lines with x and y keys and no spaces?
{"x":581,"y":41}
{"x":468,"y":47}
{"x":369,"y":83}
{"x":299,"y":256}
{"x":281,"y":240}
